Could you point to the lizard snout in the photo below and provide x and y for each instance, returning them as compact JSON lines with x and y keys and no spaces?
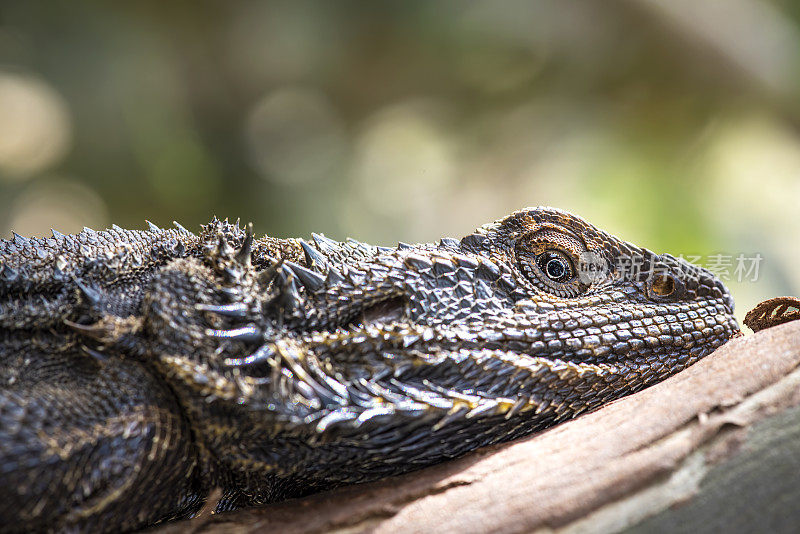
{"x":698,"y":283}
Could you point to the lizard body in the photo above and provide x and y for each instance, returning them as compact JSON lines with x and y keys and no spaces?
{"x":142,"y":369}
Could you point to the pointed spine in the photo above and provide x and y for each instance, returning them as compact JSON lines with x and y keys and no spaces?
{"x":20,"y":240}
{"x":92,"y":295}
{"x":313,"y":257}
{"x":311,"y":281}
{"x":243,"y":256}
{"x":325,"y":244}
{"x":266,"y":276}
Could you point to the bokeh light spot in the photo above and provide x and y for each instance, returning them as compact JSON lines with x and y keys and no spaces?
{"x":35,"y":130}
{"x":57,"y":203}
{"x":295,"y":136}
{"x":402,"y":159}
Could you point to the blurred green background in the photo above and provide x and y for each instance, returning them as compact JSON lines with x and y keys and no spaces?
{"x":671,"y":124}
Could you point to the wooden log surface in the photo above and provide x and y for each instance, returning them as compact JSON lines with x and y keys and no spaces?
{"x":714,"y":448}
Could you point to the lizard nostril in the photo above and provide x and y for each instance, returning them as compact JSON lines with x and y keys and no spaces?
{"x":663,"y":286}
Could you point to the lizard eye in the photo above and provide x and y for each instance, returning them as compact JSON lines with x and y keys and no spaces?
{"x":553,"y":271}
{"x":549,"y":260}
{"x":555,"y":265}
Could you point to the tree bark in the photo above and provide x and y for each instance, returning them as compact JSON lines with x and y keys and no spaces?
{"x":714,"y":448}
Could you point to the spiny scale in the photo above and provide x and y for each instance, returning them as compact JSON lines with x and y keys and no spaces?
{"x":311,"y":281}
{"x":243,"y":256}
{"x":313,"y":257}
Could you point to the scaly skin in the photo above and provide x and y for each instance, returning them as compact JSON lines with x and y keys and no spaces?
{"x":141,"y":370}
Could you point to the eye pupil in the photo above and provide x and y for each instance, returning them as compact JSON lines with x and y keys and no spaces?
{"x":555,"y":266}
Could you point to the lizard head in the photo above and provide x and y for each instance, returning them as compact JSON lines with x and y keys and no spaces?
{"x":606,"y":299}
